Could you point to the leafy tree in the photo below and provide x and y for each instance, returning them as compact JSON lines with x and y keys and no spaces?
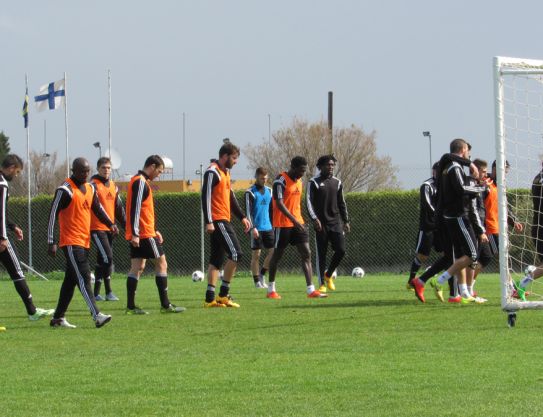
{"x":358,"y":166}
{"x":4,"y":145}
{"x":46,"y":174}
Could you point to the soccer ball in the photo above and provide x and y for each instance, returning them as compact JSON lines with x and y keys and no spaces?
{"x":197,"y":276}
{"x":358,"y":272}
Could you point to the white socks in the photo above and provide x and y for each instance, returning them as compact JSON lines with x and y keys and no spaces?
{"x":526,"y":281}
{"x":310,"y":288}
{"x":443,"y":277}
{"x":271,"y":286}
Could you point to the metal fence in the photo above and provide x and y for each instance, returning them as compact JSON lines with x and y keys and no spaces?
{"x":384,"y":227}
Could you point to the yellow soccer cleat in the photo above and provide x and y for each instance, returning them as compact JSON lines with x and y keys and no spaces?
{"x":227,"y":301}
{"x":323,"y":288}
{"x":329,"y":282}
{"x":212,"y":304}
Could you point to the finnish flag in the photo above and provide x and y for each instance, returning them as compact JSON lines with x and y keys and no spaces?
{"x":50,"y":96}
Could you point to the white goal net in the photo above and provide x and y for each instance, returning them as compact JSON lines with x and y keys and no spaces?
{"x":518,"y":95}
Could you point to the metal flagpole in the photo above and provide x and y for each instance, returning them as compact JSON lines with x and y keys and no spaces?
{"x":66,"y":125}
{"x":29,"y":234}
{"x":109,"y":98}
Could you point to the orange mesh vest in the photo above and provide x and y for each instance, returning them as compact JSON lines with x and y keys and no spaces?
{"x":491,"y":207}
{"x":292,"y":198}
{"x":220,"y":196}
{"x":75,"y":220}
{"x":146,"y":225}
{"x":106,"y":195}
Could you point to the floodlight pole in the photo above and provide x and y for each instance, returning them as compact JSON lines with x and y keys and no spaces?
{"x":429,"y":135}
{"x":330,"y":122}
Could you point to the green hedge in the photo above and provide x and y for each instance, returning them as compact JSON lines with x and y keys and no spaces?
{"x":384,"y":227}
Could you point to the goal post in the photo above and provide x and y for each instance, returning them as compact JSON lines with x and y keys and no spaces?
{"x":518,"y":95}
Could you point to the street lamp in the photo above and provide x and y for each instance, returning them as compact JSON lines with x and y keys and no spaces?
{"x":97,"y":145}
{"x":429,"y":135}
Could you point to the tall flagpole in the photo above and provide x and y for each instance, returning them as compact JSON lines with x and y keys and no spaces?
{"x":66,"y":125}
{"x":109,"y":97}
{"x":29,"y":234}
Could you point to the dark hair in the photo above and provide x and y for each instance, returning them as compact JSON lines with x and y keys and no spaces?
{"x":457,"y":145}
{"x":228,"y":149}
{"x":436,"y":165}
{"x":323,"y":160}
{"x":261,"y":171}
{"x":298,"y":161}
{"x":154,"y":160}
{"x":506,"y":164}
{"x":12,"y":160}
{"x":103,"y":160}
{"x":480,"y":163}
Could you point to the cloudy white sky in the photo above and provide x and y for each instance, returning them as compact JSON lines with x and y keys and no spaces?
{"x":395,"y":67}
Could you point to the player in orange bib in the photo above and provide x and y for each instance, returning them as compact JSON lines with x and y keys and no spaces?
{"x":72,"y":204}
{"x":101,"y":236}
{"x":289,"y":225}
{"x":218,"y":202}
{"x":145,"y":241}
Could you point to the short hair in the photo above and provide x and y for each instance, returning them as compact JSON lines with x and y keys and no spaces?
{"x":480,"y":163}
{"x":436,"y":165}
{"x":261,"y":171}
{"x":457,"y":145}
{"x":103,"y":160}
{"x":298,"y":161}
{"x":507,"y":165}
{"x":323,"y":160}
{"x":228,"y":148}
{"x":12,"y":160}
{"x":154,"y":160}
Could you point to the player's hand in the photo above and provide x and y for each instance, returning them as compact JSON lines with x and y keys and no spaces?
{"x":246,"y":224}
{"x":519,"y":227}
{"x":299,"y":226}
{"x":18,"y":233}
{"x":473,"y":170}
{"x":3,"y":245}
{"x":52,"y":250}
{"x":114,"y":230}
{"x":210,"y":228}
{"x":159,"y":237}
{"x":483,"y":238}
{"x":255,"y":233}
{"x":346,"y":227}
{"x":317,"y":225}
{"x":135,"y":241}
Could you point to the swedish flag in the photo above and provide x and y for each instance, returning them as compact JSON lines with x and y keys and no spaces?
{"x":25,"y":109}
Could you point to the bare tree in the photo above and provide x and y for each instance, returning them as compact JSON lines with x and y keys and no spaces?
{"x":45,"y":175}
{"x":358,"y":166}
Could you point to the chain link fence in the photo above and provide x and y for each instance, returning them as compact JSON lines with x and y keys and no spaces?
{"x":384,"y":227}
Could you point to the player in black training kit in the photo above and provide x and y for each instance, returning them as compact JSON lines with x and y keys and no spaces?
{"x":429,"y":236}
{"x":327,"y":209}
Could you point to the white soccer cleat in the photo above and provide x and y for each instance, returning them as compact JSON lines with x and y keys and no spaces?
{"x":41,"y":312}
{"x":529,"y":271}
{"x":111,"y":297}
{"x":102,"y":319}
{"x":62,"y":322}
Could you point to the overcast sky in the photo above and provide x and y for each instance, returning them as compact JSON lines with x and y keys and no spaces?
{"x":396,"y":67}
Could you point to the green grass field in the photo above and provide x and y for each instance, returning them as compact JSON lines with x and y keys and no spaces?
{"x":370,"y":349}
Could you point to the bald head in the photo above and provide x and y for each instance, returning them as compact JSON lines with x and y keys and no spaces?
{"x":80,"y":169}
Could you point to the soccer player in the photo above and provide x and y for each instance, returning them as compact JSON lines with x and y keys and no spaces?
{"x":289,"y":225}
{"x":327,"y":209}
{"x":11,"y":167}
{"x":144,"y":240}
{"x":218,"y":204}
{"x":428,"y":236}
{"x":453,"y":188}
{"x":258,"y":208}
{"x":533,"y":273}
{"x":72,"y":204}
{"x":108,"y":194}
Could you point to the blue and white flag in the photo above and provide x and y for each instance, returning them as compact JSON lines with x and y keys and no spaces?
{"x":51,"y":96}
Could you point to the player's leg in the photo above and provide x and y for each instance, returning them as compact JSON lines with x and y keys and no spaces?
{"x":255,"y":263}
{"x":282,"y":237}
{"x":233,"y":253}
{"x":161,"y":279}
{"x":216,"y":259}
{"x":65,"y":297}
{"x":104,"y":264}
{"x":11,"y":263}
{"x":422,"y":250}
{"x":268,"y":242}
{"x":305,"y":258}
{"x":337,"y":240}
{"x":321,"y":247}
{"x":137,"y":265}
{"x":78,"y":264}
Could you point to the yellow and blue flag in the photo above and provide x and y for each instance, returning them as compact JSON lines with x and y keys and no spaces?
{"x":25,"y":109}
